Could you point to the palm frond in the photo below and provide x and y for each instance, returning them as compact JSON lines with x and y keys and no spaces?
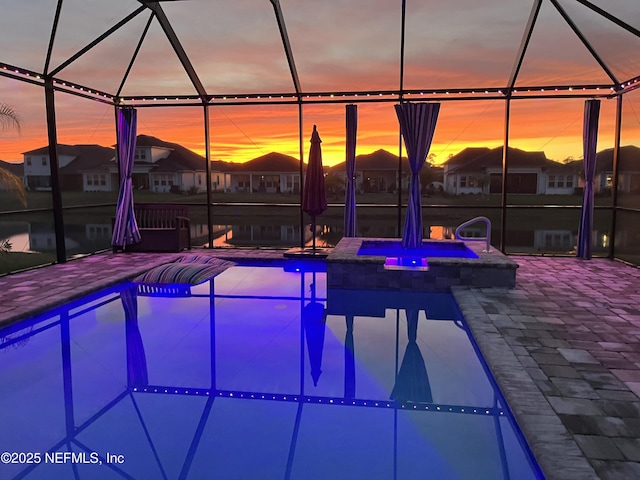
{"x":9,"y":117}
{"x":13,"y":183}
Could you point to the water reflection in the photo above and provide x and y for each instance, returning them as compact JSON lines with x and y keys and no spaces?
{"x":90,"y":237}
{"x":412,"y":381}
{"x":145,"y":369}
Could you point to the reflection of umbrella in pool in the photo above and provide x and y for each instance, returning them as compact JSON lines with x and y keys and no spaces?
{"x":349,"y":361}
{"x":412,"y":381}
{"x":314,"y":320}
{"x":136,"y":358}
{"x":314,"y":197}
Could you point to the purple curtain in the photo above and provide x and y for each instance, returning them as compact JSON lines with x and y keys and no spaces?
{"x":417,"y":125}
{"x":125,"y":228}
{"x":349,"y":361}
{"x":350,"y":226}
{"x":590,"y":141}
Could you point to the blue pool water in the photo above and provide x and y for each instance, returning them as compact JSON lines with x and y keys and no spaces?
{"x":261,"y":373}
{"x":429,"y":249}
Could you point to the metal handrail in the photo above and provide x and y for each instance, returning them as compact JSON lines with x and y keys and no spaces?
{"x":487,"y":238}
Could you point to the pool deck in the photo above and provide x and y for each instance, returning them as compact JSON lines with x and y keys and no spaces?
{"x":564,"y":346}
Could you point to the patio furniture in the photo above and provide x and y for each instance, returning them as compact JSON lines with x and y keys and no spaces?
{"x":163,"y":228}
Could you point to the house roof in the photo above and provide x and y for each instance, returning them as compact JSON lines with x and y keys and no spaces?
{"x":63,"y":149}
{"x":466,"y":155}
{"x":379,"y":160}
{"x":87,"y":157}
{"x":271,"y":162}
{"x":180,"y":158}
{"x":629,"y":159}
{"x":15,"y":168}
{"x":476,"y":160}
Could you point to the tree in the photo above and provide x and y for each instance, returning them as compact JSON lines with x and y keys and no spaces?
{"x":9,"y":118}
{"x":334,"y":184}
{"x":484,"y":180}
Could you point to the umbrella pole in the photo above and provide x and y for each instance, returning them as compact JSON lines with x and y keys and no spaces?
{"x":313,"y":232}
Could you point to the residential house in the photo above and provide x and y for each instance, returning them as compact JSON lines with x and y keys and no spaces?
{"x":479,"y":170}
{"x":270,"y":173}
{"x":169,"y":167}
{"x":158,"y":166}
{"x":628,"y":170}
{"x":375,"y":172}
{"x":81,"y":168}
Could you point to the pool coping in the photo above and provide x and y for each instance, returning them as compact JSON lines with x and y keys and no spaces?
{"x":537,"y":304}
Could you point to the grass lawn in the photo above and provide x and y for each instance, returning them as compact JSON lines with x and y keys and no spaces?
{"x":14,"y":261}
{"x":38,"y":200}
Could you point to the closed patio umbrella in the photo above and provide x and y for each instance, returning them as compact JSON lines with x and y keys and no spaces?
{"x":350,"y":225}
{"x":314,"y":320}
{"x":125,"y":228}
{"x":589,"y":140}
{"x":314,"y":197}
{"x":417,"y":125}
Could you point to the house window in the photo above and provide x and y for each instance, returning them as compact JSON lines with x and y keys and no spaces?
{"x":44,"y":161}
{"x":552,"y":181}
{"x":140,"y":155}
{"x":163,"y":180}
{"x":270,"y":180}
{"x":89,"y":179}
{"x":103,"y":179}
{"x":569,"y":183}
{"x":463,"y":181}
{"x":560,"y":183}
{"x":28,"y":160}
{"x":199,"y":179}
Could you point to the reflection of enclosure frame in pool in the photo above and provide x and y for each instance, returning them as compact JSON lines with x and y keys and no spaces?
{"x":347,"y":269}
{"x":336,"y":305}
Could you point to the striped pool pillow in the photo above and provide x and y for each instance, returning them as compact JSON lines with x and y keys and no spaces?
{"x":187,"y":273}
{"x":207,"y":259}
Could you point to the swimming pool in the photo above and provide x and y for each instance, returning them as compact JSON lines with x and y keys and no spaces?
{"x":250,"y":376}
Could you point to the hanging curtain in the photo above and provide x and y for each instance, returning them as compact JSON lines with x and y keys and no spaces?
{"x":590,"y":141}
{"x":417,"y":125}
{"x":136,"y":359}
{"x":125,"y":228}
{"x":350,"y":225}
{"x":412,"y":381}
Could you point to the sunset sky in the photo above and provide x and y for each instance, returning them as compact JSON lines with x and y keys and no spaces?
{"x":338,"y":46}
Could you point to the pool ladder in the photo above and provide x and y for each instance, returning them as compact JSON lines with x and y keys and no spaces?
{"x":486,"y":238}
